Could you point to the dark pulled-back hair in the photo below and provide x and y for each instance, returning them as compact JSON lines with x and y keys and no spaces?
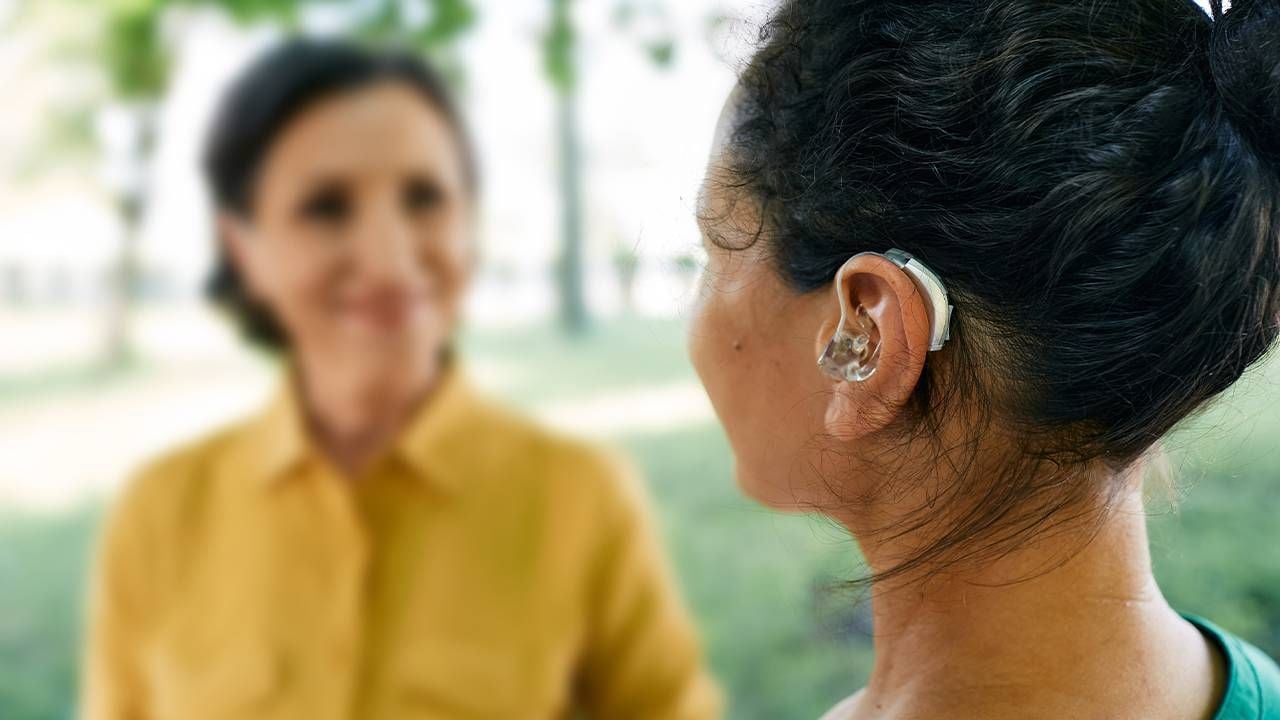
{"x":262,"y":101}
{"x":1097,"y":183}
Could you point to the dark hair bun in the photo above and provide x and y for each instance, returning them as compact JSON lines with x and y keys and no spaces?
{"x":1244,"y":55}
{"x":1097,"y":183}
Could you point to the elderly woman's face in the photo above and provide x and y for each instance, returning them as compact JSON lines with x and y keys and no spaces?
{"x":359,"y":241}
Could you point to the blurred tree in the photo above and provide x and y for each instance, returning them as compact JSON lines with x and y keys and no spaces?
{"x":560,"y":49}
{"x":136,"y":66}
{"x":626,"y":263}
{"x":647,"y":21}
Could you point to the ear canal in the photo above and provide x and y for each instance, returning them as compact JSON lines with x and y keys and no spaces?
{"x":852,"y":355}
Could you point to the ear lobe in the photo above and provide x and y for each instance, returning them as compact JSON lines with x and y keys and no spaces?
{"x":892,"y":303}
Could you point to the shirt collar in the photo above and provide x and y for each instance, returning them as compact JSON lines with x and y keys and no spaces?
{"x":440,"y":442}
{"x":433,"y":446}
{"x":277,"y":441}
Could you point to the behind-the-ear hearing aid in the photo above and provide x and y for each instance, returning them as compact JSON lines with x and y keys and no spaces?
{"x":852,"y":355}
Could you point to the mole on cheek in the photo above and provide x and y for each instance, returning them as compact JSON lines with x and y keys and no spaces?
{"x":737,"y":344}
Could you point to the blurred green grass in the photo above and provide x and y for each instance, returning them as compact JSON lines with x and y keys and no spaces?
{"x":68,"y":378}
{"x":782,"y":637}
{"x":42,"y":566}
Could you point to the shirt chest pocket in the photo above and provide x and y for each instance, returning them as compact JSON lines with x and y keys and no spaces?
{"x":237,"y":680}
{"x":474,"y":681}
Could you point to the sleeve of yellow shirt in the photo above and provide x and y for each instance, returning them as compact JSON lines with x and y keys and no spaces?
{"x":117,"y":604}
{"x":644,"y":658}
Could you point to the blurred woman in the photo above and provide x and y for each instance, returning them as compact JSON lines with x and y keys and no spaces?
{"x":380,"y":541}
{"x":1022,"y":240}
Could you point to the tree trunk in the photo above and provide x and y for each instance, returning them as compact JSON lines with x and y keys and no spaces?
{"x":573,"y":306}
{"x":125,"y":273}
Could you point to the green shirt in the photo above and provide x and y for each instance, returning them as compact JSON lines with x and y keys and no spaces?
{"x":1253,"y":680}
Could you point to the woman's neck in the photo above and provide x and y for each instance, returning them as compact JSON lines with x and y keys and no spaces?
{"x":1032,"y":635}
{"x":354,"y":415}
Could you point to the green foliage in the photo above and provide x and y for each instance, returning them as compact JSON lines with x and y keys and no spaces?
{"x":450,"y":19}
{"x":661,"y":52}
{"x":658,"y":43}
{"x":392,"y":21}
{"x":136,"y":62}
{"x":559,"y":40}
{"x":558,"y":47}
{"x":284,"y":12}
{"x":131,"y":48}
{"x":1215,"y":544}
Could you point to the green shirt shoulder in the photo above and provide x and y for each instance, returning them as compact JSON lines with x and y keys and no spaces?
{"x":1253,"y":679}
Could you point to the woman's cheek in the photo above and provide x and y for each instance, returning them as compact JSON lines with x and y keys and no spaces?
{"x":714,"y":353}
{"x":313,"y":296}
{"x":697,"y":340}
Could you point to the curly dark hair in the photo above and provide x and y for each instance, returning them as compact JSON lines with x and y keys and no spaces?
{"x":1097,"y":183}
{"x":261,"y":102}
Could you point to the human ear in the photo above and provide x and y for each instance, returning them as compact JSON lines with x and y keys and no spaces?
{"x":872,"y":344}
{"x":243,"y":249}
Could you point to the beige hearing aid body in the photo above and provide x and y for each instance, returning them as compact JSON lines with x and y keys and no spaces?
{"x":851,"y":356}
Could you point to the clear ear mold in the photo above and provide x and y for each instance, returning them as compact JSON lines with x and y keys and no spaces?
{"x":851,"y":355}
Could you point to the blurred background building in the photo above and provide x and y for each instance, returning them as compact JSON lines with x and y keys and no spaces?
{"x":593,"y":121}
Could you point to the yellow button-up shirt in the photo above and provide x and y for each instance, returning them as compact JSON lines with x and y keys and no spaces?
{"x":484,"y":568}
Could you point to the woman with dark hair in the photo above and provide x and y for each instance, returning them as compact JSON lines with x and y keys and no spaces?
{"x":1022,"y":240}
{"x":381,"y":541}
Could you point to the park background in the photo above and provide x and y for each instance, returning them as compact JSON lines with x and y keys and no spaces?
{"x":593,"y":121}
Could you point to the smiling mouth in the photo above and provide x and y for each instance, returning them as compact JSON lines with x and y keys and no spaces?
{"x":383,"y":313}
